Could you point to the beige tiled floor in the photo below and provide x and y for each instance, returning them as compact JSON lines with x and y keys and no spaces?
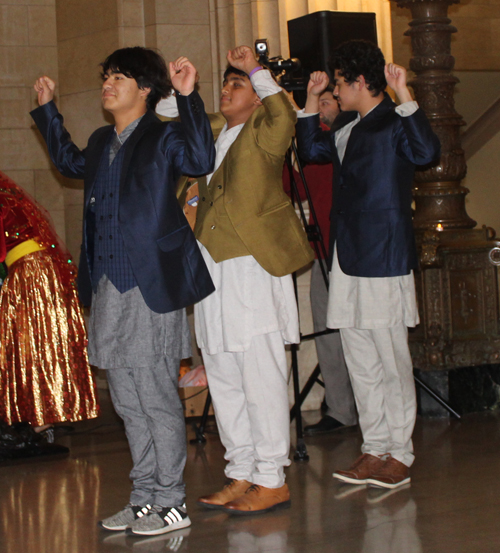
{"x":51,"y":505}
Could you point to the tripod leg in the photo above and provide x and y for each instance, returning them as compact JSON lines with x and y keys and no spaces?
{"x":200,"y":430}
{"x":301,"y":450}
{"x":313,"y":379}
{"x":435,"y":396}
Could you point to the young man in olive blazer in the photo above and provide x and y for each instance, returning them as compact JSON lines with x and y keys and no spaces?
{"x":252,"y":241}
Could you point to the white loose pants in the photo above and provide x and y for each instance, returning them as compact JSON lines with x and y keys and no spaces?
{"x":381,"y":372}
{"x":250,"y":398}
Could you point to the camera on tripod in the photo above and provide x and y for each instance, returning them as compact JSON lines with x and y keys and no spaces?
{"x":288,"y":73}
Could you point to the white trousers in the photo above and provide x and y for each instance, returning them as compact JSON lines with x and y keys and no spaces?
{"x":381,"y":371}
{"x":250,"y":398}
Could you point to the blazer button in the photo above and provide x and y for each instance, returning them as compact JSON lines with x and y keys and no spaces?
{"x":211,"y":203}
{"x":220,"y":187}
{"x":203,"y":199}
{"x":212,"y":227}
{"x":340,"y":211}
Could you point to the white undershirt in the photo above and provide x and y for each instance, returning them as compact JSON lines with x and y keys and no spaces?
{"x":247,"y":301}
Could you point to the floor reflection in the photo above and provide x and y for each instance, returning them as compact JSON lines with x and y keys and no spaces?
{"x":41,"y":510}
{"x":52,"y":505}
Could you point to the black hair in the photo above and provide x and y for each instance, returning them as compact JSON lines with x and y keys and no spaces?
{"x":360,"y":57}
{"x":144,"y":65}
{"x":230,"y":70}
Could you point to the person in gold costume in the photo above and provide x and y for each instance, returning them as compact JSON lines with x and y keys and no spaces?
{"x":45,"y":376}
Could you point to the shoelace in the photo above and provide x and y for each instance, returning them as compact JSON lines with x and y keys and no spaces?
{"x":253,"y":488}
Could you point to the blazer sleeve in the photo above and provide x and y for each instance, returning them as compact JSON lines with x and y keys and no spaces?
{"x":314,"y":144}
{"x":416,"y":141}
{"x":199,"y":150}
{"x":66,"y":156}
{"x":275,"y":131}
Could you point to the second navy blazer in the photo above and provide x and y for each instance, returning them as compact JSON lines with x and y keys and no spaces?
{"x":371,"y":218}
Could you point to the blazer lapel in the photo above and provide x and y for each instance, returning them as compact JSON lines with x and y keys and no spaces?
{"x":148,"y":120}
{"x":343,"y":119}
{"x":94,"y":159}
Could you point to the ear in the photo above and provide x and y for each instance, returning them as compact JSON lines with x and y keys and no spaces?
{"x":257,"y":101}
{"x":361,"y":83}
{"x":144,"y":92}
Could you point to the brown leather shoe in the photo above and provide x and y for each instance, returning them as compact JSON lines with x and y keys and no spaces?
{"x":362,"y":468}
{"x":391,"y":474}
{"x":232,"y":490}
{"x":258,"y":499}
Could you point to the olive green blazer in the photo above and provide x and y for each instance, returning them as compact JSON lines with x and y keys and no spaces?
{"x":245,"y":211}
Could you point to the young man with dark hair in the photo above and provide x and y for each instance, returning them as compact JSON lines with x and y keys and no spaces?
{"x":139,"y":265}
{"x":375,"y":147}
{"x":252,"y":241}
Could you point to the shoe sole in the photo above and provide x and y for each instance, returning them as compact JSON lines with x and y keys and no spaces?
{"x":378,"y":484}
{"x":184,"y":523}
{"x":212,"y":506}
{"x":112,"y":529}
{"x":348,"y":480}
{"x":282,"y":505}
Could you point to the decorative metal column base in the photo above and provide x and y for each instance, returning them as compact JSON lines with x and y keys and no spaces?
{"x":457,"y":290}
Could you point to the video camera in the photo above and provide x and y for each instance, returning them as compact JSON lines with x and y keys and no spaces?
{"x":288,"y":72}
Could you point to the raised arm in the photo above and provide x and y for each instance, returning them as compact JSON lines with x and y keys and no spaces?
{"x":66,"y":156}
{"x":314,"y":144}
{"x":417,"y":141}
{"x":275,"y":132}
{"x":198,"y":156}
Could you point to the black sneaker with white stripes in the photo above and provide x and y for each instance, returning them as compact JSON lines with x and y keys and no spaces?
{"x":160,"y":520}
{"x":124,"y":518}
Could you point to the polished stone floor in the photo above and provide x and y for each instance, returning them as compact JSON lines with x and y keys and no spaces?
{"x":51,"y":505}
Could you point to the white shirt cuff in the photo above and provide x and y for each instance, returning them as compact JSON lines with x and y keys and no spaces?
{"x":301,"y":114}
{"x":407,"y":109}
{"x":264,"y":84}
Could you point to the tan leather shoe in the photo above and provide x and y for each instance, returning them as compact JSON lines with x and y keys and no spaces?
{"x":362,"y":468}
{"x":258,"y":499}
{"x":392,"y":474}
{"x":232,"y":490}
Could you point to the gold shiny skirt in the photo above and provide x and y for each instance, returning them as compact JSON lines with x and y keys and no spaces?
{"x":45,"y":376}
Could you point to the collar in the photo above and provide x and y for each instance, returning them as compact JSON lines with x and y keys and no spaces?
{"x":129,"y":129}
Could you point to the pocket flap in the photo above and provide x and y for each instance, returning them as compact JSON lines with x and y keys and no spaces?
{"x":174,"y":239}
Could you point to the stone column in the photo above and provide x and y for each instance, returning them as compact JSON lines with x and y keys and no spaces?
{"x":439,"y":197}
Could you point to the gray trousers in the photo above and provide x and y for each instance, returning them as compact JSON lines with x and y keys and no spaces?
{"x":146,"y":399}
{"x":338,"y":391}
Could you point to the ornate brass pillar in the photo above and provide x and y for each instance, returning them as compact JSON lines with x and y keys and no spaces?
{"x":457,"y":284}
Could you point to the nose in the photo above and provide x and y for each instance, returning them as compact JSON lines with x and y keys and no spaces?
{"x":106,"y":83}
{"x":336,"y":91}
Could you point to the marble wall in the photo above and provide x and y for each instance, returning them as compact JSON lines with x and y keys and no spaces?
{"x":28,"y":48}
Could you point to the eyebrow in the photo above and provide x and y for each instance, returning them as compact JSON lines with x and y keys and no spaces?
{"x":233,"y":77}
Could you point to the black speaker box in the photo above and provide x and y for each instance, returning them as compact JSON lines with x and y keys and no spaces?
{"x":314,"y":37}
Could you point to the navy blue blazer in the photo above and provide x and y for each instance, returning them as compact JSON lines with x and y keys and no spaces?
{"x":161,"y":247}
{"x":371,"y":219}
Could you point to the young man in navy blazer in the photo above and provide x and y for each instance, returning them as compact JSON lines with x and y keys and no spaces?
{"x":375,"y":147}
{"x":140,"y":264}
